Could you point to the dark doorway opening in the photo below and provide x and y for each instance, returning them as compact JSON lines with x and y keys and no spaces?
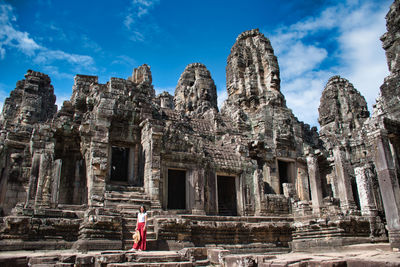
{"x":355,"y":194}
{"x":284,"y":174}
{"x":226,"y":196}
{"x":70,"y":186}
{"x":176,"y":189}
{"x":119,"y":164}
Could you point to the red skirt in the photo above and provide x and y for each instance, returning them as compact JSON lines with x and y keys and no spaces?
{"x":142,"y":243}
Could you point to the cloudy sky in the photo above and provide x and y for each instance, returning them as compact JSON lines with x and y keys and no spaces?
{"x":313,"y":39}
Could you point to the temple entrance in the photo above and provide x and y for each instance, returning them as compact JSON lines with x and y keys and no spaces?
{"x":69,"y":186}
{"x":285,"y":173}
{"x":119,"y":164}
{"x":176,"y":189}
{"x":226,"y":196}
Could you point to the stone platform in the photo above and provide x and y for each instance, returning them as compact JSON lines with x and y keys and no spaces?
{"x":379,"y":254}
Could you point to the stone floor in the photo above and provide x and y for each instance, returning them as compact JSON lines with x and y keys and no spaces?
{"x":355,"y":255}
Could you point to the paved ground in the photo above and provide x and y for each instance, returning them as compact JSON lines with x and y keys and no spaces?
{"x":369,"y":254}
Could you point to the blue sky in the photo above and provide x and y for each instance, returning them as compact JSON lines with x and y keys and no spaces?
{"x":313,"y":40}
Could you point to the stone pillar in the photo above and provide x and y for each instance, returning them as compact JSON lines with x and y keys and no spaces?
{"x":302,"y":184}
{"x":33,"y":180}
{"x":210,"y":195}
{"x":315,"y":183}
{"x":137,"y":177}
{"x":257,"y":179}
{"x":56,"y":181}
{"x":364,"y":186}
{"x":43,"y":191}
{"x":77,"y":183}
{"x":389,"y":186}
{"x":131,"y":166}
{"x":344,"y":184}
{"x":198,"y":192}
{"x":97,"y":173}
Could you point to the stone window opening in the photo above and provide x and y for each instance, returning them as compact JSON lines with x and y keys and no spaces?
{"x":227,"y":198}
{"x":176,"y":189}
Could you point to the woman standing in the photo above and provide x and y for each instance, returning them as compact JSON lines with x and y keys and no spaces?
{"x":141,"y":227}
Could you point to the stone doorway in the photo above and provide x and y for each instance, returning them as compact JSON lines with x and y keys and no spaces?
{"x":69,"y":186}
{"x":285,"y":169}
{"x":227,"y":196}
{"x":119,"y":164}
{"x":176,"y":189}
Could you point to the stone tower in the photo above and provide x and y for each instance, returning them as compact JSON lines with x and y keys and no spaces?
{"x":31,"y":101}
{"x":252,"y":72}
{"x":342,"y":108}
{"x":196,"y":92}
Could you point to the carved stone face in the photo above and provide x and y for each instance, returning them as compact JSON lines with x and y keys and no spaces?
{"x":272,"y":80}
{"x":26,"y":115}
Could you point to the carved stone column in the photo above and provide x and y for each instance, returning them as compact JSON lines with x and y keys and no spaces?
{"x":365,"y":192}
{"x":198,"y":190}
{"x":33,"y":180}
{"x":344,"y":184}
{"x":315,"y":183}
{"x":389,"y":186}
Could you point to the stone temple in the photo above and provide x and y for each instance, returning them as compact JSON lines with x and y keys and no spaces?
{"x":247,"y":178}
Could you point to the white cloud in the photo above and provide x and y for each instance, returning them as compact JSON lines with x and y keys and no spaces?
{"x":54,"y":72}
{"x":354,"y":28}
{"x":303,"y":95}
{"x":301,"y":58}
{"x":361,"y":53}
{"x":134,"y":20}
{"x":90,"y":44}
{"x":11,"y":37}
{"x":124,"y":60}
{"x":48,"y":56}
{"x":128,"y":21}
{"x":138,"y":9}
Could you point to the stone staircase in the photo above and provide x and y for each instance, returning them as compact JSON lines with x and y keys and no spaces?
{"x":127,"y":201}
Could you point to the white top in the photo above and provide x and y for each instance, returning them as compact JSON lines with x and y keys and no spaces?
{"x":141,"y":217}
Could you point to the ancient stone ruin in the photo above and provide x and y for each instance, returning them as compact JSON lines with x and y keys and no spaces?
{"x":247,"y":178}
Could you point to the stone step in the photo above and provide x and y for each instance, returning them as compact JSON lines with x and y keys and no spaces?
{"x":125,"y":195}
{"x":128,"y":236}
{"x":256,"y":248}
{"x":152,"y":257}
{"x":124,"y":188}
{"x":311,"y":233}
{"x":132,"y":219}
{"x":151,"y":244}
{"x":202,"y":263}
{"x":131,"y":227}
{"x":171,"y":264}
{"x":137,"y":202}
